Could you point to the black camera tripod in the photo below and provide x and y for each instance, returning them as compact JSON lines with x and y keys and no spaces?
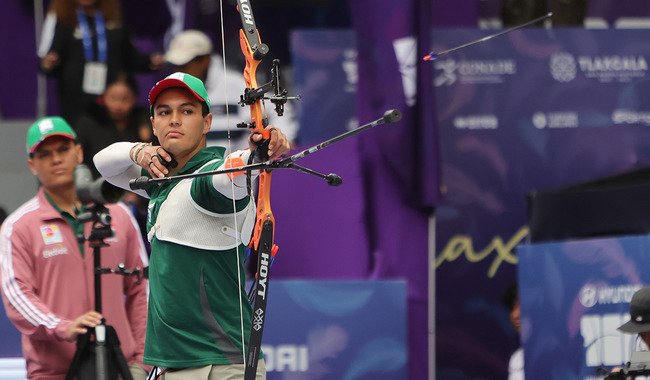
{"x":102,"y":341}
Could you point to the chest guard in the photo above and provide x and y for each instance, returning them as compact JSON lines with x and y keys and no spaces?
{"x":180,"y":220}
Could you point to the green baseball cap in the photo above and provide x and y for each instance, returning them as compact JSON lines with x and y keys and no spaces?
{"x":47,"y":127}
{"x":178,"y":79}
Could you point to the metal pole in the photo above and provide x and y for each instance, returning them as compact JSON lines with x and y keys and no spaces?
{"x":432,"y":298}
{"x":41,"y":81}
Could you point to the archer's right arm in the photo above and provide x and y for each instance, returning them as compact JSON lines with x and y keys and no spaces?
{"x":117,"y":164}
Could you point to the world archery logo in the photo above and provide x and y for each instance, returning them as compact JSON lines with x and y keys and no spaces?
{"x":588,"y":296}
{"x":563,"y":67}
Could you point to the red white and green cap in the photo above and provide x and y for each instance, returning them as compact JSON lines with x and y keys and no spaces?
{"x":45,"y":128}
{"x":183,"y":80}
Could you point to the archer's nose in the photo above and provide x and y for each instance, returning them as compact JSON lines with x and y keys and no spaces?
{"x":175,"y":120}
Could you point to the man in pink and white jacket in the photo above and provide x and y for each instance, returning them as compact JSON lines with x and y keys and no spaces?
{"x":47,"y":275}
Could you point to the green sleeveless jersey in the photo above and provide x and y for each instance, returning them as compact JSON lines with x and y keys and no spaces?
{"x":196,"y":301}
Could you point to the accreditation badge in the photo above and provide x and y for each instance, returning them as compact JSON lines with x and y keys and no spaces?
{"x":94,"y":78}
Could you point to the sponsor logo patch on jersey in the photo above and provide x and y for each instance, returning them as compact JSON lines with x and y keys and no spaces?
{"x":58,"y":249}
{"x":51,"y":234}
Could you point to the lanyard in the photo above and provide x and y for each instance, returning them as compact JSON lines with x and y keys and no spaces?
{"x":86,"y":36}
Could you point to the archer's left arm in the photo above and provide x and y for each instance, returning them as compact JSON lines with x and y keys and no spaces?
{"x":234,"y":184}
{"x":224,"y":184}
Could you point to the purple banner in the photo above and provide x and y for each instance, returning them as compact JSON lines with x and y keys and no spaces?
{"x":574,"y":295}
{"x":324,"y":61}
{"x":336,"y":330}
{"x":535,"y":109}
{"x":314,"y":330}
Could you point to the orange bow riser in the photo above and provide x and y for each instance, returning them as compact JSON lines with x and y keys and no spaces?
{"x":262,"y":241}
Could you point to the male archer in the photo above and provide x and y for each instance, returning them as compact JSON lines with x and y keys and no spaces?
{"x":198,"y":310}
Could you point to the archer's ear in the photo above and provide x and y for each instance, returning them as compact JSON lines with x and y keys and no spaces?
{"x":153,"y":126}
{"x":207,"y":123}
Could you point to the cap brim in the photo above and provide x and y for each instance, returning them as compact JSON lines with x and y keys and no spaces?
{"x":632,"y":327}
{"x":35,"y":146}
{"x":170,"y":83}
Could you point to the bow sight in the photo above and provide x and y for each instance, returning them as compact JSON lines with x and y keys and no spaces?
{"x":279,"y":97}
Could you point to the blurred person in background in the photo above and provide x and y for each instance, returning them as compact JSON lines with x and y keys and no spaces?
{"x":47,"y":272}
{"x":638,"y":324}
{"x":85,"y":45}
{"x":115,"y":116}
{"x":511,"y":301}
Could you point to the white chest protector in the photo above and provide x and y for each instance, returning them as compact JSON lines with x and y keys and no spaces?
{"x":180,"y":220}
